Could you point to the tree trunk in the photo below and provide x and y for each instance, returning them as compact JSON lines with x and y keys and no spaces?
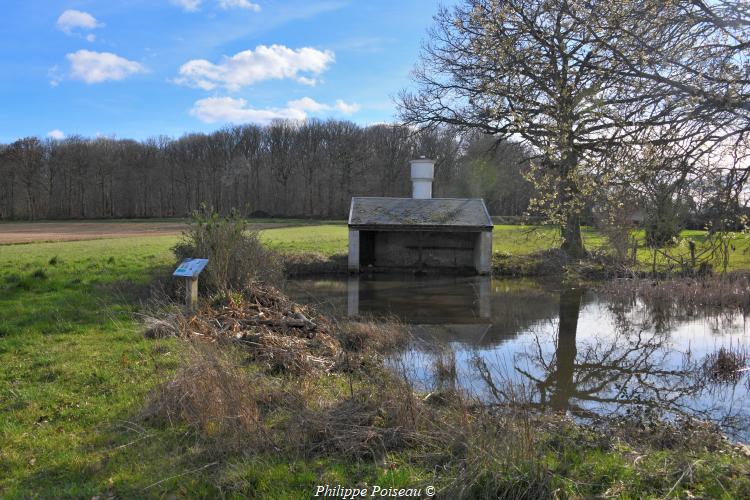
{"x":572,"y":243}
{"x":565,"y":355}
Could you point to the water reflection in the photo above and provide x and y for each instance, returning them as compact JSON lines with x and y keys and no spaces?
{"x":571,"y":349}
{"x":620,"y":369}
{"x":421,"y":300}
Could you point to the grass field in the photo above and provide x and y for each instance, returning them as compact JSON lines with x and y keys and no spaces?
{"x":75,"y":370}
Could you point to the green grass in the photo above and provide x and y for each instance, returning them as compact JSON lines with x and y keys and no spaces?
{"x":327,"y":239}
{"x":75,"y":371}
{"x":509,"y":241}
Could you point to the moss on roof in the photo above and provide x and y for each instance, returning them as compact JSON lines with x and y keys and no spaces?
{"x":451,"y":212}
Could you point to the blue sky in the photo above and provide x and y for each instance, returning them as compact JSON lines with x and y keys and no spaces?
{"x":141,"y":68}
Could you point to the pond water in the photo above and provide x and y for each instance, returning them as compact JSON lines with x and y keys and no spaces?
{"x":578,"y":350}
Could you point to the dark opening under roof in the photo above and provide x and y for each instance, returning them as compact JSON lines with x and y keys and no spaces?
{"x":448,"y":213}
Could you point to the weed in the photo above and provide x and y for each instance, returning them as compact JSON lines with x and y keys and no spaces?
{"x":39,"y":274}
{"x":12,"y":278}
{"x":444,"y":368}
{"x":727,"y":365}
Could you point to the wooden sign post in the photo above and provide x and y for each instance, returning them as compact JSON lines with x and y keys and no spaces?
{"x":189,"y":270}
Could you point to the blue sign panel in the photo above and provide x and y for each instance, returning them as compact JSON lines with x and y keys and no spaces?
{"x":190,"y":268}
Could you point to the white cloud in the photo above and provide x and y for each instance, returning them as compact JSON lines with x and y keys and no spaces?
{"x":347,"y":108}
{"x":188,"y":5}
{"x":239,"y":4}
{"x":247,"y":67}
{"x":313,"y":106}
{"x":90,"y":37}
{"x":96,"y":67}
{"x":194,"y":5}
{"x":71,"y":20}
{"x":54,"y":75}
{"x":308,"y":104}
{"x":228,"y":109}
{"x":307,"y":81}
{"x":56,"y":134}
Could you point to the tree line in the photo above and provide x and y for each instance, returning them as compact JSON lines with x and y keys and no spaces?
{"x":308,"y":169}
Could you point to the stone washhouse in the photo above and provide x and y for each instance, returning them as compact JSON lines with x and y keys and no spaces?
{"x":421,"y":232}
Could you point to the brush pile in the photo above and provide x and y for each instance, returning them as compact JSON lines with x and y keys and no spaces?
{"x":283,"y":336}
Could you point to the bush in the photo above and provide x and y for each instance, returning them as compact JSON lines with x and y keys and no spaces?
{"x":236,"y":257}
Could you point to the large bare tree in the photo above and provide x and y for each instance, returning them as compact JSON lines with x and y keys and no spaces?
{"x":568,"y":78}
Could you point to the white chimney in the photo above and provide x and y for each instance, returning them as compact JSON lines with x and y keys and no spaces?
{"x":422,"y":173}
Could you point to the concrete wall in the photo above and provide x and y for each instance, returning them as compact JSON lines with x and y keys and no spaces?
{"x":483,"y":252}
{"x":420,"y":249}
{"x":414,"y":250}
{"x":353,"y":250}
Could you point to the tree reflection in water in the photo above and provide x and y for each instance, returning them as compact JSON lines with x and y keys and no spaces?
{"x":615,"y":348}
{"x":621,"y":372}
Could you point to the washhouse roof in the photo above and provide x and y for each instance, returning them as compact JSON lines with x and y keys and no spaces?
{"x":395,"y":213}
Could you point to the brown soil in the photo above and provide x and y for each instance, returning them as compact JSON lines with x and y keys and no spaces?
{"x":34,"y":232}
{"x":28,"y":232}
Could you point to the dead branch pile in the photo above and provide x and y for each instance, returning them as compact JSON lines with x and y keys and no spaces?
{"x":278,"y":333}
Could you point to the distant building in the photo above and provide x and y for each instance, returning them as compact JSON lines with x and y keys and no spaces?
{"x":421,"y":232}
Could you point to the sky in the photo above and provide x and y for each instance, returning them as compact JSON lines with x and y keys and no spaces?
{"x":143,"y":68}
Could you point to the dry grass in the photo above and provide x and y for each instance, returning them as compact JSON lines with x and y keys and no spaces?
{"x":226,"y":403}
{"x":685,"y":295}
{"x":313,"y":263}
{"x":367,"y":424}
{"x":444,"y":368}
{"x":382,"y":336}
{"x":211,"y":395}
{"x":727,"y":365}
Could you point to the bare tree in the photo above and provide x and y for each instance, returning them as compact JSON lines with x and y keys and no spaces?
{"x":27,"y":155}
{"x":576,"y":80}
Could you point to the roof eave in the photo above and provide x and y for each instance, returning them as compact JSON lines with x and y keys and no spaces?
{"x":420,"y":227}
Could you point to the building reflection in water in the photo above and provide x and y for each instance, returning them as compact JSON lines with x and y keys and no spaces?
{"x":453,"y":309}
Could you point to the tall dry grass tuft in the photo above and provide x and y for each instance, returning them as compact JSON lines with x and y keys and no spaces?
{"x":381,"y":337}
{"x":212,"y":396}
{"x":369,"y":423}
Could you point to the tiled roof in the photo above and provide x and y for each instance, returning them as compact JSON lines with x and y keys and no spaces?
{"x":410,"y":212}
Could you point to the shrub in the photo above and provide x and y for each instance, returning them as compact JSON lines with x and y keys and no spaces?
{"x":236,"y":257}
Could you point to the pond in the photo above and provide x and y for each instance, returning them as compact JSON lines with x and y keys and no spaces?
{"x":581,"y":350}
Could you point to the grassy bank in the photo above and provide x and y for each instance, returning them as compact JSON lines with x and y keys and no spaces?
{"x":518,"y":250}
{"x":76,"y":374}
